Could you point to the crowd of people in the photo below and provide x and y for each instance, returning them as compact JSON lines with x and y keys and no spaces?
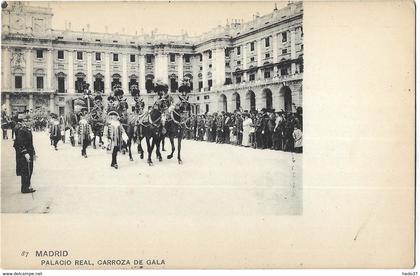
{"x":265,"y":129}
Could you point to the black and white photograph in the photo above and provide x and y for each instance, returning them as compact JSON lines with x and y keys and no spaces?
{"x":170,"y":135}
{"x":151,"y":117}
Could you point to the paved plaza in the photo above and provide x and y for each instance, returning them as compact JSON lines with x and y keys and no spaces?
{"x":214,"y":179}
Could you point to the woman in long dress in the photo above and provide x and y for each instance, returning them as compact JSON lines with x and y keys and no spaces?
{"x":246,"y":126}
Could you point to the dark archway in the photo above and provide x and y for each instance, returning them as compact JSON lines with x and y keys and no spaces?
{"x":222,"y":103}
{"x":268,"y":96}
{"x":250,"y":98}
{"x":287,"y":96}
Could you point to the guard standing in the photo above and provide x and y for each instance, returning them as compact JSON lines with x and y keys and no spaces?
{"x":25,"y":155}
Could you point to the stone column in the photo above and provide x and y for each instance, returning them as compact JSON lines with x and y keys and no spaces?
{"x":180,"y":68}
{"x":259,"y":59}
{"x":7,"y":76}
{"x":205,"y":70}
{"x":194,"y":61}
{"x":124,"y":73}
{"x":293,"y":49}
{"x":52,"y":104}
{"x":165,"y":63}
{"x":89,"y":75}
{"x":49,"y":69}
{"x":31,"y":101}
{"x":28,"y":69}
{"x":70,"y":77}
{"x":107,"y":74}
{"x":259,"y":101}
{"x":142,"y":73}
{"x":219,"y":67}
{"x":275,"y":48}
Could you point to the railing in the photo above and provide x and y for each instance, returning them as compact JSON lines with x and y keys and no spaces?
{"x":242,"y":85}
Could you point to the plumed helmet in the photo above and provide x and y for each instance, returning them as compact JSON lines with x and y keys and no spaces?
{"x":184,"y":89}
{"x":160,"y":87}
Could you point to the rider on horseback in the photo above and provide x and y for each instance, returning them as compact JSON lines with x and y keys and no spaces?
{"x":164,"y":102}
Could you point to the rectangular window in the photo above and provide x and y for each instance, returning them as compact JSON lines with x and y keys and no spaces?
{"x":187,"y":59}
{"x":97,"y":40}
{"x":172,"y":57}
{"x":39,"y":53}
{"x":201,"y":68}
{"x":227,"y":64}
{"x":284,"y":51}
{"x":207,"y":108}
{"x":200,"y":85}
{"x":210,"y":83}
{"x":98,"y":56}
{"x":61,"y":85}
{"x":283,"y":71}
{"x":238,"y":50}
{"x":132,"y":58}
{"x":210,"y":65}
{"x":18,"y":82}
{"x":39,"y":82}
{"x":251,"y":77}
{"x":210,"y":54}
{"x":238,"y":79}
{"x":283,"y":36}
{"x":149,"y":59}
{"x":80,"y":55}
{"x":226,"y":53}
{"x":267,"y":42}
{"x":253,"y":58}
{"x":60,"y":54}
{"x":267,"y":55}
{"x":238,"y":62}
{"x":252,"y":46}
{"x":266,"y":74}
{"x":115,"y":57}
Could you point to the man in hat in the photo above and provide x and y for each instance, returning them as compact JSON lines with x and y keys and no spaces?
{"x":25,"y":155}
{"x":116,"y":136}
{"x":55,"y":130}
{"x":84,"y":131}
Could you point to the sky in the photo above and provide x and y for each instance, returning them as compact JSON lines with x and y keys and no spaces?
{"x":168,"y":17}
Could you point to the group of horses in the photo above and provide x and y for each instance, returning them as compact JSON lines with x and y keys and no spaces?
{"x":153,"y":125}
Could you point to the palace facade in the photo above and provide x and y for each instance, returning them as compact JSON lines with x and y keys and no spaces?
{"x":252,"y":65}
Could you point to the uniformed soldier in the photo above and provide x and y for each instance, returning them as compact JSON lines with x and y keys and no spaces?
{"x":116,"y":136}
{"x":84,"y":131}
{"x":25,"y":155}
{"x":55,"y":130}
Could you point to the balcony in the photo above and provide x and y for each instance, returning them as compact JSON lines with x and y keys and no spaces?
{"x":256,"y":83}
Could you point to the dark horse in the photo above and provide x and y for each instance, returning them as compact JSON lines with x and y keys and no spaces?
{"x":176,"y":125}
{"x":150,"y":128}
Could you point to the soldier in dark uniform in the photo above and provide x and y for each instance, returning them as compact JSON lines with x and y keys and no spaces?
{"x":220,"y":127}
{"x":25,"y":155}
{"x":55,"y":130}
{"x":239,"y":128}
{"x":259,"y":125}
{"x":214,"y":127}
{"x":200,"y":128}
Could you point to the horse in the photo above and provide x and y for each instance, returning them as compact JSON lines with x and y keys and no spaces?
{"x":177,"y":124}
{"x":149,"y":126}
